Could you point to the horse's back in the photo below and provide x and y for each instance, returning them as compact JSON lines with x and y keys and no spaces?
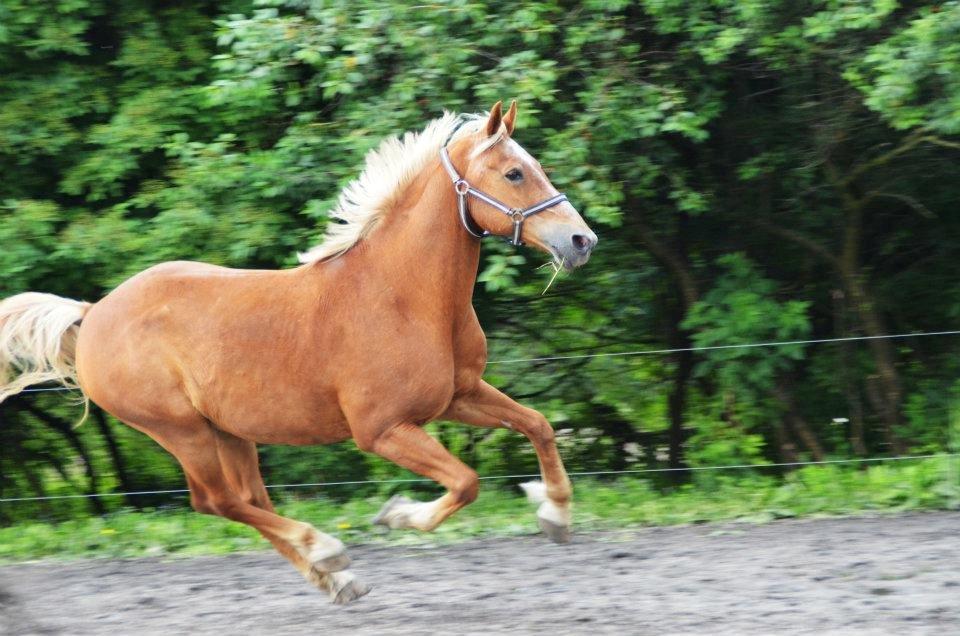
{"x":161,"y":296}
{"x":144,"y":348}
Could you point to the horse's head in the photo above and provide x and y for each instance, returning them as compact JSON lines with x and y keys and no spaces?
{"x":498,"y":167}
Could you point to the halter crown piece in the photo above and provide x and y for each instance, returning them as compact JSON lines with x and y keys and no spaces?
{"x":517,"y":215}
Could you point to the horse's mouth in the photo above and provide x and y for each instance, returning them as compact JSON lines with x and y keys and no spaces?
{"x":568,"y":261}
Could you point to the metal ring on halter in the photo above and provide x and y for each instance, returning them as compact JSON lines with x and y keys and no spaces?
{"x":461,"y":186}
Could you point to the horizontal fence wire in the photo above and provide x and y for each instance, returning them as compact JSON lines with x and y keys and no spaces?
{"x":649,"y":352}
{"x":746,"y":345}
{"x":591,"y":473}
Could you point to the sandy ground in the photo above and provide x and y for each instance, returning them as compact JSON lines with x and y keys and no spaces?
{"x":885,"y":575}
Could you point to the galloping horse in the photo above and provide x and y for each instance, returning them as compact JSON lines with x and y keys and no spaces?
{"x":373,"y":336}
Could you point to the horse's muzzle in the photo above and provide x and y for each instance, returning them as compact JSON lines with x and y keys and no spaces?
{"x":572,"y":245}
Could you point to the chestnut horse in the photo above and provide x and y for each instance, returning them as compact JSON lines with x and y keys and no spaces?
{"x":373,"y":336}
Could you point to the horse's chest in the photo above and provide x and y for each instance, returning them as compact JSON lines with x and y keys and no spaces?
{"x":469,"y":360}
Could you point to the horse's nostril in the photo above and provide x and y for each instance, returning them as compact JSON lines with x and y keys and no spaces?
{"x":581,"y":242}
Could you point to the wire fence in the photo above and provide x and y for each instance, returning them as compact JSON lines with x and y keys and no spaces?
{"x":746,"y":345}
{"x":590,"y":473}
{"x":639,"y":352}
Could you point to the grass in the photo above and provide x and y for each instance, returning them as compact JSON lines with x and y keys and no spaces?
{"x":629,"y":502}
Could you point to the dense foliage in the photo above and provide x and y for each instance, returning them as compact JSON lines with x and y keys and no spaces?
{"x":757,"y":170}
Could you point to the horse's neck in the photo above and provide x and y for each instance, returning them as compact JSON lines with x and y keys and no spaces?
{"x":422,"y":250}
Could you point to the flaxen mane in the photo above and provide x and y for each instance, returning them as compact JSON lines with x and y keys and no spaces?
{"x":387,"y":171}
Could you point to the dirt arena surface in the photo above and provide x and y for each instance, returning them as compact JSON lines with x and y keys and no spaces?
{"x":883,"y":575}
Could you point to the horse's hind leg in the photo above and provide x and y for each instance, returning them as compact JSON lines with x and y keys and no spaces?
{"x":240,"y":464}
{"x":196,"y":447}
{"x":413,"y":448}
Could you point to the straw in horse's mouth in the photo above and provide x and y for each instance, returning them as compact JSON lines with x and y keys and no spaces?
{"x":557,"y":266}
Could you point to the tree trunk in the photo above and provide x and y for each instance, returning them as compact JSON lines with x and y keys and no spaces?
{"x":877,"y":399}
{"x":620,"y":430}
{"x":677,"y":400}
{"x":37,"y":486}
{"x":74,"y":440}
{"x":119,"y":463}
{"x":853,"y":280}
{"x":675,"y":259}
{"x":850,"y":390}
{"x":797,"y":424}
{"x":890,"y":397}
{"x":785,"y":443}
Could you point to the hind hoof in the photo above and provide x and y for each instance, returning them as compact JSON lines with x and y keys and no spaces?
{"x":555,"y":532}
{"x":346,"y":588}
{"x":384,"y":518}
{"x":554,"y":521}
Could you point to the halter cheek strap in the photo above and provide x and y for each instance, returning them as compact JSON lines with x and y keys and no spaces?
{"x":517,"y":215}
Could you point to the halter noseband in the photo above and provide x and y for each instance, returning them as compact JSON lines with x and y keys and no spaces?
{"x":517,"y":215}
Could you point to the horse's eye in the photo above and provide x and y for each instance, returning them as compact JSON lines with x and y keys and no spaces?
{"x":514,"y":175}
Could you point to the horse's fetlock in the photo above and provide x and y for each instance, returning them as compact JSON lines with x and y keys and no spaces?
{"x":307,"y":537}
{"x":560,"y":495}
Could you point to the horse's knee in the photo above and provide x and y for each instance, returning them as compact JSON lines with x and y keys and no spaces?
{"x":538,"y":430}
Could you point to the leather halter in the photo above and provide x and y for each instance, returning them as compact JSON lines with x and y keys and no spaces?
{"x":517,"y":215}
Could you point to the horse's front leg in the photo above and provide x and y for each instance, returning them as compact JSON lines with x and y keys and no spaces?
{"x":488,"y":407}
{"x":413,"y":448}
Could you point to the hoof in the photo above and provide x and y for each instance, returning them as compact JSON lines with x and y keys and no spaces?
{"x":554,"y":521}
{"x":328,"y":556}
{"x":345,"y":587}
{"x":333,"y":563}
{"x":554,"y":531}
{"x":382,"y":518}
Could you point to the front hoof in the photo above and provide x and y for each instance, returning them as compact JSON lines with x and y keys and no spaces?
{"x":345,"y":588}
{"x":555,"y":532}
{"x":328,"y":556}
{"x":333,"y":563}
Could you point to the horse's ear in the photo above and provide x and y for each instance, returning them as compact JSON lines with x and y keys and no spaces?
{"x":510,"y":118}
{"x":493,"y":123}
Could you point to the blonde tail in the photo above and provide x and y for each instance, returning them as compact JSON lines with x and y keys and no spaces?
{"x":38,"y":338}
